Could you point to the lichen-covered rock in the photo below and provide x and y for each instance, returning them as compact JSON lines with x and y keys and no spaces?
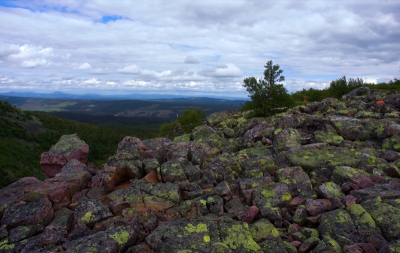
{"x":30,"y":213}
{"x":386,"y":216}
{"x":15,"y":192}
{"x":207,"y":135}
{"x":202,"y":235}
{"x":67,"y":148}
{"x":309,"y":244}
{"x":178,"y":169}
{"x":327,"y":245}
{"x":297,"y":180}
{"x":330,"y":190}
{"x":286,"y":139}
{"x":143,"y":195}
{"x":363,"y":221}
{"x":314,"y":158}
{"x":392,"y":143}
{"x":355,"y":129}
{"x":342,"y":174}
{"x":45,"y":242}
{"x":257,"y":133}
{"x":90,"y":211}
{"x":109,"y":241}
{"x":270,"y":199}
{"x":329,"y":137}
{"x":383,"y":191}
{"x":337,"y":224}
{"x":130,"y":164}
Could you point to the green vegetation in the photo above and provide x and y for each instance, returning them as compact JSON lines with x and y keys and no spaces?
{"x":341,"y":86}
{"x":25,"y":136}
{"x":184,"y":124}
{"x":267,"y":96}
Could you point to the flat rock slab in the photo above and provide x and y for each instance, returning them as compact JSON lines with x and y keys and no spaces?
{"x":30,"y":213}
{"x":384,"y":191}
{"x":314,"y":158}
{"x":203,"y":235}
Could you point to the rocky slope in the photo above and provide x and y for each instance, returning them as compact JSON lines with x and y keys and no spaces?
{"x":319,"y":178}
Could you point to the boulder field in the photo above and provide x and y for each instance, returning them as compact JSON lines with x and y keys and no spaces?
{"x":322,"y":177}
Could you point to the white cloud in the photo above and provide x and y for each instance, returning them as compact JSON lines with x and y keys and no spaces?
{"x":85,"y":66}
{"x":131,"y":69}
{"x":34,"y":63}
{"x":91,"y":81}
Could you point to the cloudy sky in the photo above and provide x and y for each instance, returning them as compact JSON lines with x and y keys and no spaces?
{"x":193,"y":47}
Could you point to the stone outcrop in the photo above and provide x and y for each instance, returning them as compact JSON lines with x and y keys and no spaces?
{"x":67,"y":148}
{"x":322,"y":177}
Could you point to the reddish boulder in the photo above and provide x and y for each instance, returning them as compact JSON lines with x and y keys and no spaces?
{"x":314,"y":207}
{"x":251,"y":214}
{"x":67,"y":148}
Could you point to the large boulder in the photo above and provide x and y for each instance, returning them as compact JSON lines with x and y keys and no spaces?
{"x":67,"y":148}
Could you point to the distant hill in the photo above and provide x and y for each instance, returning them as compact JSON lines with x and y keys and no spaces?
{"x":122,"y":111}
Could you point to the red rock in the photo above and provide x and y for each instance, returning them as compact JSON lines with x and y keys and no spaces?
{"x":251,"y":214}
{"x":376,"y":178}
{"x":368,"y":248}
{"x":390,"y":155}
{"x":327,"y":204}
{"x":297,"y":244}
{"x":293,"y":228}
{"x":363,"y":181}
{"x":350,"y":200}
{"x":51,"y":164}
{"x":313,"y":220}
{"x":152,"y":177}
{"x":296,"y":201}
{"x":130,"y":144}
{"x":354,"y":248}
{"x":79,"y":195}
{"x":377,"y":241}
{"x":314,"y":207}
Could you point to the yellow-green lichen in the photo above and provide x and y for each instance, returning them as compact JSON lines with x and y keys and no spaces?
{"x":286,"y":197}
{"x":361,"y":217}
{"x":86,"y":217}
{"x":268,"y":193}
{"x":201,"y":227}
{"x":121,"y":237}
{"x":239,"y":235}
{"x":5,"y":246}
{"x":206,"y":238}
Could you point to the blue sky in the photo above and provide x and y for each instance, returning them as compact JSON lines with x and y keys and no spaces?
{"x":193,"y":47}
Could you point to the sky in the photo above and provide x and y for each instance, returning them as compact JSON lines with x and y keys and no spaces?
{"x":193,"y":47}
